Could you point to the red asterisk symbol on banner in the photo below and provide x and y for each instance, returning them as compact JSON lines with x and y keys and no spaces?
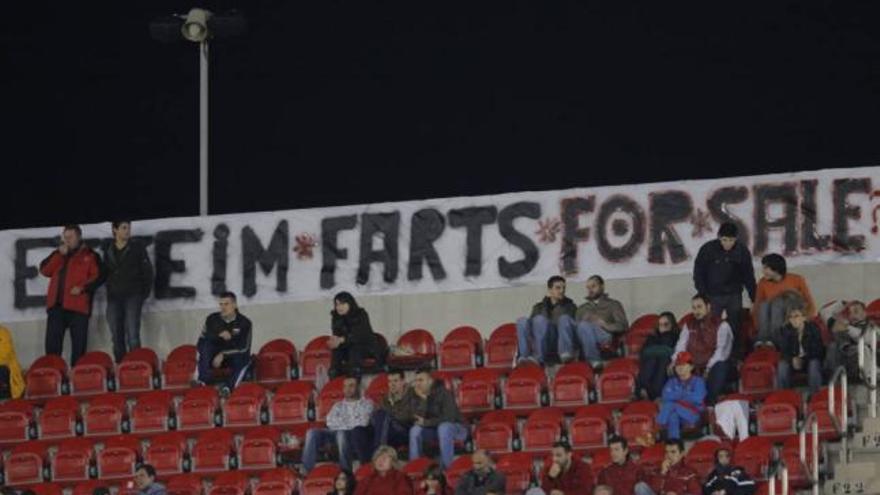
{"x":548,"y":229}
{"x":305,"y":246}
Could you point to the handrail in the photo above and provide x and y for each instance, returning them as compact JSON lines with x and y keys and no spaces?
{"x":840,"y":423}
{"x":783,"y":475}
{"x":869,"y":373}
{"x":811,"y":423}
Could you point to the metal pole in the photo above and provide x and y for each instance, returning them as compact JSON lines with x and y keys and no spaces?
{"x":203,"y":128}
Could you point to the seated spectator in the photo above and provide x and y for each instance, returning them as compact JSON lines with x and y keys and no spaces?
{"x":802,"y":349}
{"x":622,"y":475}
{"x":437,"y":417}
{"x":435,"y":482}
{"x":145,"y":481}
{"x":482,"y":479}
{"x":353,"y":340}
{"x":385,"y":478}
{"x":655,"y":356}
{"x":565,"y":475}
{"x":778,"y":291}
{"x":675,"y":476}
{"x":682,"y":400}
{"x":539,"y":333}
{"x":393,"y":418}
{"x":343,"y":484}
{"x":848,"y":322}
{"x":225,"y":342}
{"x":346,"y":427}
{"x":709,"y":341}
{"x":599,"y":319}
{"x":11,"y":378}
{"x":726,"y":479}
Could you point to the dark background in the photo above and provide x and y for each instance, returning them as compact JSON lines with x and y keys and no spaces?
{"x":329,"y":102}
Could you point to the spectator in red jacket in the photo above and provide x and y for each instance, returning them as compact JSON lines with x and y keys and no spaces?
{"x":675,"y":477}
{"x":565,"y":475}
{"x":622,"y":475}
{"x":385,"y":479}
{"x":75,"y":273}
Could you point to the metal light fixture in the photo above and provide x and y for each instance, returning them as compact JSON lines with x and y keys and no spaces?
{"x":195,"y":27}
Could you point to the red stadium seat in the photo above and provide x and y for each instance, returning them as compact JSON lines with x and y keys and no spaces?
{"x":571,"y":386}
{"x":282,"y":475}
{"x":638,"y":332}
{"x":637,"y":420}
{"x":501,"y":347}
{"x":316,"y":355}
{"x":197,"y":409}
{"x":275,"y":362}
{"x":753,"y":454}
{"x":542,"y":429}
{"x":119,"y":457}
{"x":72,"y":460}
{"x":651,"y":458}
{"x":415,"y":469}
{"x":104,"y":415}
{"x":15,"y":419}
{"x":184,"y":484}
{"x":320,"y":480}
{"x":89,"y":487}
{"x":179,"y":369}
{"x":495,"y":431}
{"x":477,"y":390}
{"x":150,"y":414}
{"x":459,"y":466}
{"x":873,"y":311}
{"x":517,"y":469}
{"x":588,"y":430}
{"x":44,"y":378}
{"x":798,"y":472}
{"x":763,"y":354}
{"x":524,"y":388}
{"x":135,"y":372}
{"x":166,"y":453}
{"x":47,"y":489}
{"x":91,"y":374}
{"x":819,"y":404}
{"x":461,"y":349}
{"x":778,"y":415}
{"x":328,"y":396}
{"x":615,"y":387}
{"x":290,"y":404}
{"x":701,"y":456}
{"x":24,"y":466}
{"x":422,"y":348}
{"x":211,"y":452}
{"x":185,"y":352}
{"x":230,"y":483}
{"x":259,"y":448}
{"x":626,"y":364}
{"x":757,"y":378}
{"x":243,"y":408}
{"x":58,"y":419}
{"x":377,"y":389}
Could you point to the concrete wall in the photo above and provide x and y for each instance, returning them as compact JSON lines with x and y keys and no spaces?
{"x":486,"y":309}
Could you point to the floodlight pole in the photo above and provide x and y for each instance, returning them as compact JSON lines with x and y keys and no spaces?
{"x":203,"y":128}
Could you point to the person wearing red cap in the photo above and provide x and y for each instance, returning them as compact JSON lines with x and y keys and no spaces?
{"x":682,"y":400}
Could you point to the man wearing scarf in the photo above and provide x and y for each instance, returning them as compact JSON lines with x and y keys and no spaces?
{"x":709,"y":341}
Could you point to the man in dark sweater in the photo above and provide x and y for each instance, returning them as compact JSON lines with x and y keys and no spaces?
{"x":436,"y":417}
{"x":552,"y":316}
{"x":225,"y":342}
{"x":722,"y":269}
{"x":393,"y":417}
{"x":483,"y":479}
{"x":129,"y":275}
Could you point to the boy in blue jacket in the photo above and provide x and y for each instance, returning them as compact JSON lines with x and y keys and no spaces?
{"x":682,"y":400}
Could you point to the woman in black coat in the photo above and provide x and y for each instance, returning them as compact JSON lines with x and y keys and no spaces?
{"x":800,"y":344}
{"x":655,"y":356}
{"x":353,"y":340}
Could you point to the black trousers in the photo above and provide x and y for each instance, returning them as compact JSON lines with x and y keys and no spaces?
{"x":58,"y":322}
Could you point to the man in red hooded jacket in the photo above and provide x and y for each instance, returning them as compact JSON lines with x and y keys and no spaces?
{"x":675,"y":477}
{"x":75,"y":272}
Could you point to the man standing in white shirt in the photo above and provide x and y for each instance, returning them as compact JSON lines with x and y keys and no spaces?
{"x":346,"y":425}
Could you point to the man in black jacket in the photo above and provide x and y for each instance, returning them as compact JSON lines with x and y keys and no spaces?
{"x":554,"y":315}
{"x":436,"y":417}
{"x":722,"y":269}
{"x":726,"y":479}
{"x":225,"y":342}
{"x":482,"y":479}
{"x":129,"y":275}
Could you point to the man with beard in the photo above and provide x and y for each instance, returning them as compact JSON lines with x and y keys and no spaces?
{"x":709,"y":341}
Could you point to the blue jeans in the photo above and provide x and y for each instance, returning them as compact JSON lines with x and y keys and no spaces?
{"x":238,"y":363}
{"x":124,"y":320}
{"x":814,"y":374}
{"x":771,"y":318}
{"x":589,"y":336}
{"x":536,"y":335}
{"x":387,"y":430}
{"x":445,"y":433}
{"x":354,"y":442}
{"x":673,"y":415}
{"x":716,"y":380}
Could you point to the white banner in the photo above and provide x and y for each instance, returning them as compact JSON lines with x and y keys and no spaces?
{"x":474,"y":242}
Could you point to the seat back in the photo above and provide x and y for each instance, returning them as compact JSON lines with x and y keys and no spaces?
{"x":518,"y":470}
{"x":638,"y":332}
{"x":501,"y":347}
{"x":320,"y":480}
{"x":328,"y":396}
{"x":290,"y":404}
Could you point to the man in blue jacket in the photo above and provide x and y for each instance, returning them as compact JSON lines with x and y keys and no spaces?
{"x":683,"y":398}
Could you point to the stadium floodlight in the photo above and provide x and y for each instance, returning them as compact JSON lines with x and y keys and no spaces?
{"x":198,"y":26}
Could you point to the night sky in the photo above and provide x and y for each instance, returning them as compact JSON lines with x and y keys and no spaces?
{"x":330,"y":102}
